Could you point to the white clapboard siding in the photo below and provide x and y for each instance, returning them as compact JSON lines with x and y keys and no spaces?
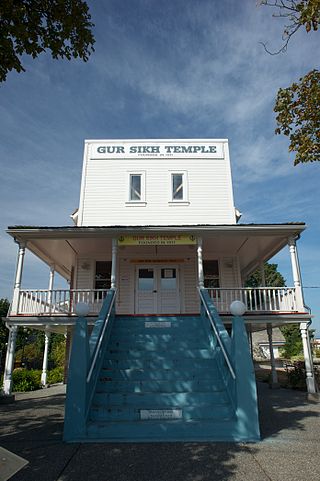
{"x":191,"y":296}
{"x":229,"y":272}
{"x":125,"y":284}
{"x":104,"y":198}
{"x":85,"y":273}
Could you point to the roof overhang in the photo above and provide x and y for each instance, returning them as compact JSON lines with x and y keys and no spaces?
{"x":251,"y":243}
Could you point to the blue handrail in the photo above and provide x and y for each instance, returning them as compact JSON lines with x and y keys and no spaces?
{"x":84,"y":369}
{"x":219,"y":330}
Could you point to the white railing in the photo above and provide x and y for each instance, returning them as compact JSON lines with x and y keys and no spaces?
{"x":61,"y":302}
{"x":258,"y":299}
{"x":58,"y":302}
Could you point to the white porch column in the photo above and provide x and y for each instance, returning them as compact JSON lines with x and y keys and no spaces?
{"x":18,"y":278}
{"x":45,"y":357}
{"x":114,"y":263}
{"x":274,"y":374}
{"x":297,"y":281}
{"x":9,"y":365}
{"x":50,"y":287}
{"x":200,"y":264}
{"x":311,"y":385}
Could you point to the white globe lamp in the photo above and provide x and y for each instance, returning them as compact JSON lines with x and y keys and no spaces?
{"x":82,"y":309}
{"x":237,"y":308}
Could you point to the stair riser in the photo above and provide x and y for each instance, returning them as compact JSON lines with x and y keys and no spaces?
{"x":145,"y":338}
{"x":205,"y":365}
{"x":188,"y":413}
{"x":160,"y":400}
{"x":160,"y":355}
{"x":172,"y":346}
{"x":155,"y":331}
{"x":170,"y":431}
{"x":159,"y":386}
{"x":157,"y":375}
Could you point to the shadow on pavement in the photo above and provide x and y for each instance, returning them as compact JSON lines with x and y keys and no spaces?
{"x":32,"y":428}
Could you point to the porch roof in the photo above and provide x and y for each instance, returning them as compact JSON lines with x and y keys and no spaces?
{"x":253,"y":243}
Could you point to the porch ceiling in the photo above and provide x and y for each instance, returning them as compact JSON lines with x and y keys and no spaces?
{"x":253,"y":243}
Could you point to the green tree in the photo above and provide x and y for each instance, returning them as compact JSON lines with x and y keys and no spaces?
{"x":298,"y":106}
{"x":293,"y":344}
{"x":4,"y":307}
{"x":291,"y":332}
{"x":31,"y":27}
{"x":273,"y":277}
{"x":297,"y":14}
{"x":58,"y":349}
{"x":298,"y":117}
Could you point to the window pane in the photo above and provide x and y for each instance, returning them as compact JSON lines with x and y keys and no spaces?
{"x":211,"y":273}
{"x":177,"y":186}
{"x":103,"y":275}
{"x":211,"y":268}
{"x":145,"y":279}
{"x":135,"y":187}
{"x":168,"y":279}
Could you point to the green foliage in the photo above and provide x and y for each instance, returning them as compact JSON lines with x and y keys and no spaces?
{"x":55,"y":375}
{"x":4,"y":307}
{"x":58,"y":351}
{"x":33,"y":26}
{"x":298,"y":117}
{"x":32,"y":353}
{"x":297,"y":375}
{"x":293,"y":345}
{"x":272,"y":276}
{"x":298,"y":106}
{"x":297,"y":13}
{"x":25,"y":380}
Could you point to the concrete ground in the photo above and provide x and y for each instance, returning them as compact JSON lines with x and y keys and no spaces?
{"x":32,"y":427}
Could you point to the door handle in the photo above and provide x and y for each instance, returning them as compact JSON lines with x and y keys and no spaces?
{"x":154,"y":291}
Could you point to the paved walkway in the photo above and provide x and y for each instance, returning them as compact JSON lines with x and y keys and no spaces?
{"x":289,"y":451}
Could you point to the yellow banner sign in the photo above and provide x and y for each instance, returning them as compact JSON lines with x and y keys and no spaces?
{"x":157,"y":240}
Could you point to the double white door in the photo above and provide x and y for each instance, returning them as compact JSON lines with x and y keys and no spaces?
{"x":157,"y":290}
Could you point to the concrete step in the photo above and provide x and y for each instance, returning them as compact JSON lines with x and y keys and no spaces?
{"x":179,"y":374}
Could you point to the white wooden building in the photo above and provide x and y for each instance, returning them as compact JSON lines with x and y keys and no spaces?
{"x":156,"y":220}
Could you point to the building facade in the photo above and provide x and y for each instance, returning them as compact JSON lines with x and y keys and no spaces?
{"x":157,"y":222}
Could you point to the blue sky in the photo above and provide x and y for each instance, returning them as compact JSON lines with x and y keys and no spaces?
{"x":168,"y":69}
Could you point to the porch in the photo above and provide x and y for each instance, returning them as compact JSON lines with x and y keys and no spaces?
{"x":62,"y":302}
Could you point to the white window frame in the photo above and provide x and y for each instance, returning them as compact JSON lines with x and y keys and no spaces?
{"x":185,"y":198}
{"x":141,"y":201}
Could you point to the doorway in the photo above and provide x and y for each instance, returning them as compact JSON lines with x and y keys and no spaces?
{"x":157,"y":290}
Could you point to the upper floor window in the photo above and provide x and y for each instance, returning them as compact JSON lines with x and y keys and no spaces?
{"x":179,"y":187}
{"x":136,"y":187}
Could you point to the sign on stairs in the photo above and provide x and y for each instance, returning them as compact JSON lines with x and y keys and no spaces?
{"x":160,"y":414}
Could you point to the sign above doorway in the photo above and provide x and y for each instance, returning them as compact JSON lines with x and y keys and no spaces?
{"x":157,"y":240}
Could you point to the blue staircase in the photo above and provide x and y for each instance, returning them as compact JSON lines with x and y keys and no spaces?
{"x":164,"y":379}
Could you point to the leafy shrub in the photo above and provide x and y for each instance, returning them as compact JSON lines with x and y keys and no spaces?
{"x":55,"y":375}
{"x":58,"y":350}
{"x":296,"y":373}
{"x":24,"y":380}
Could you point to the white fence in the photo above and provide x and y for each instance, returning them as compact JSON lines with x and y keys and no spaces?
{"x":258,"y":299}
{"x":61,"y":302}
{"x":58,"y":302}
